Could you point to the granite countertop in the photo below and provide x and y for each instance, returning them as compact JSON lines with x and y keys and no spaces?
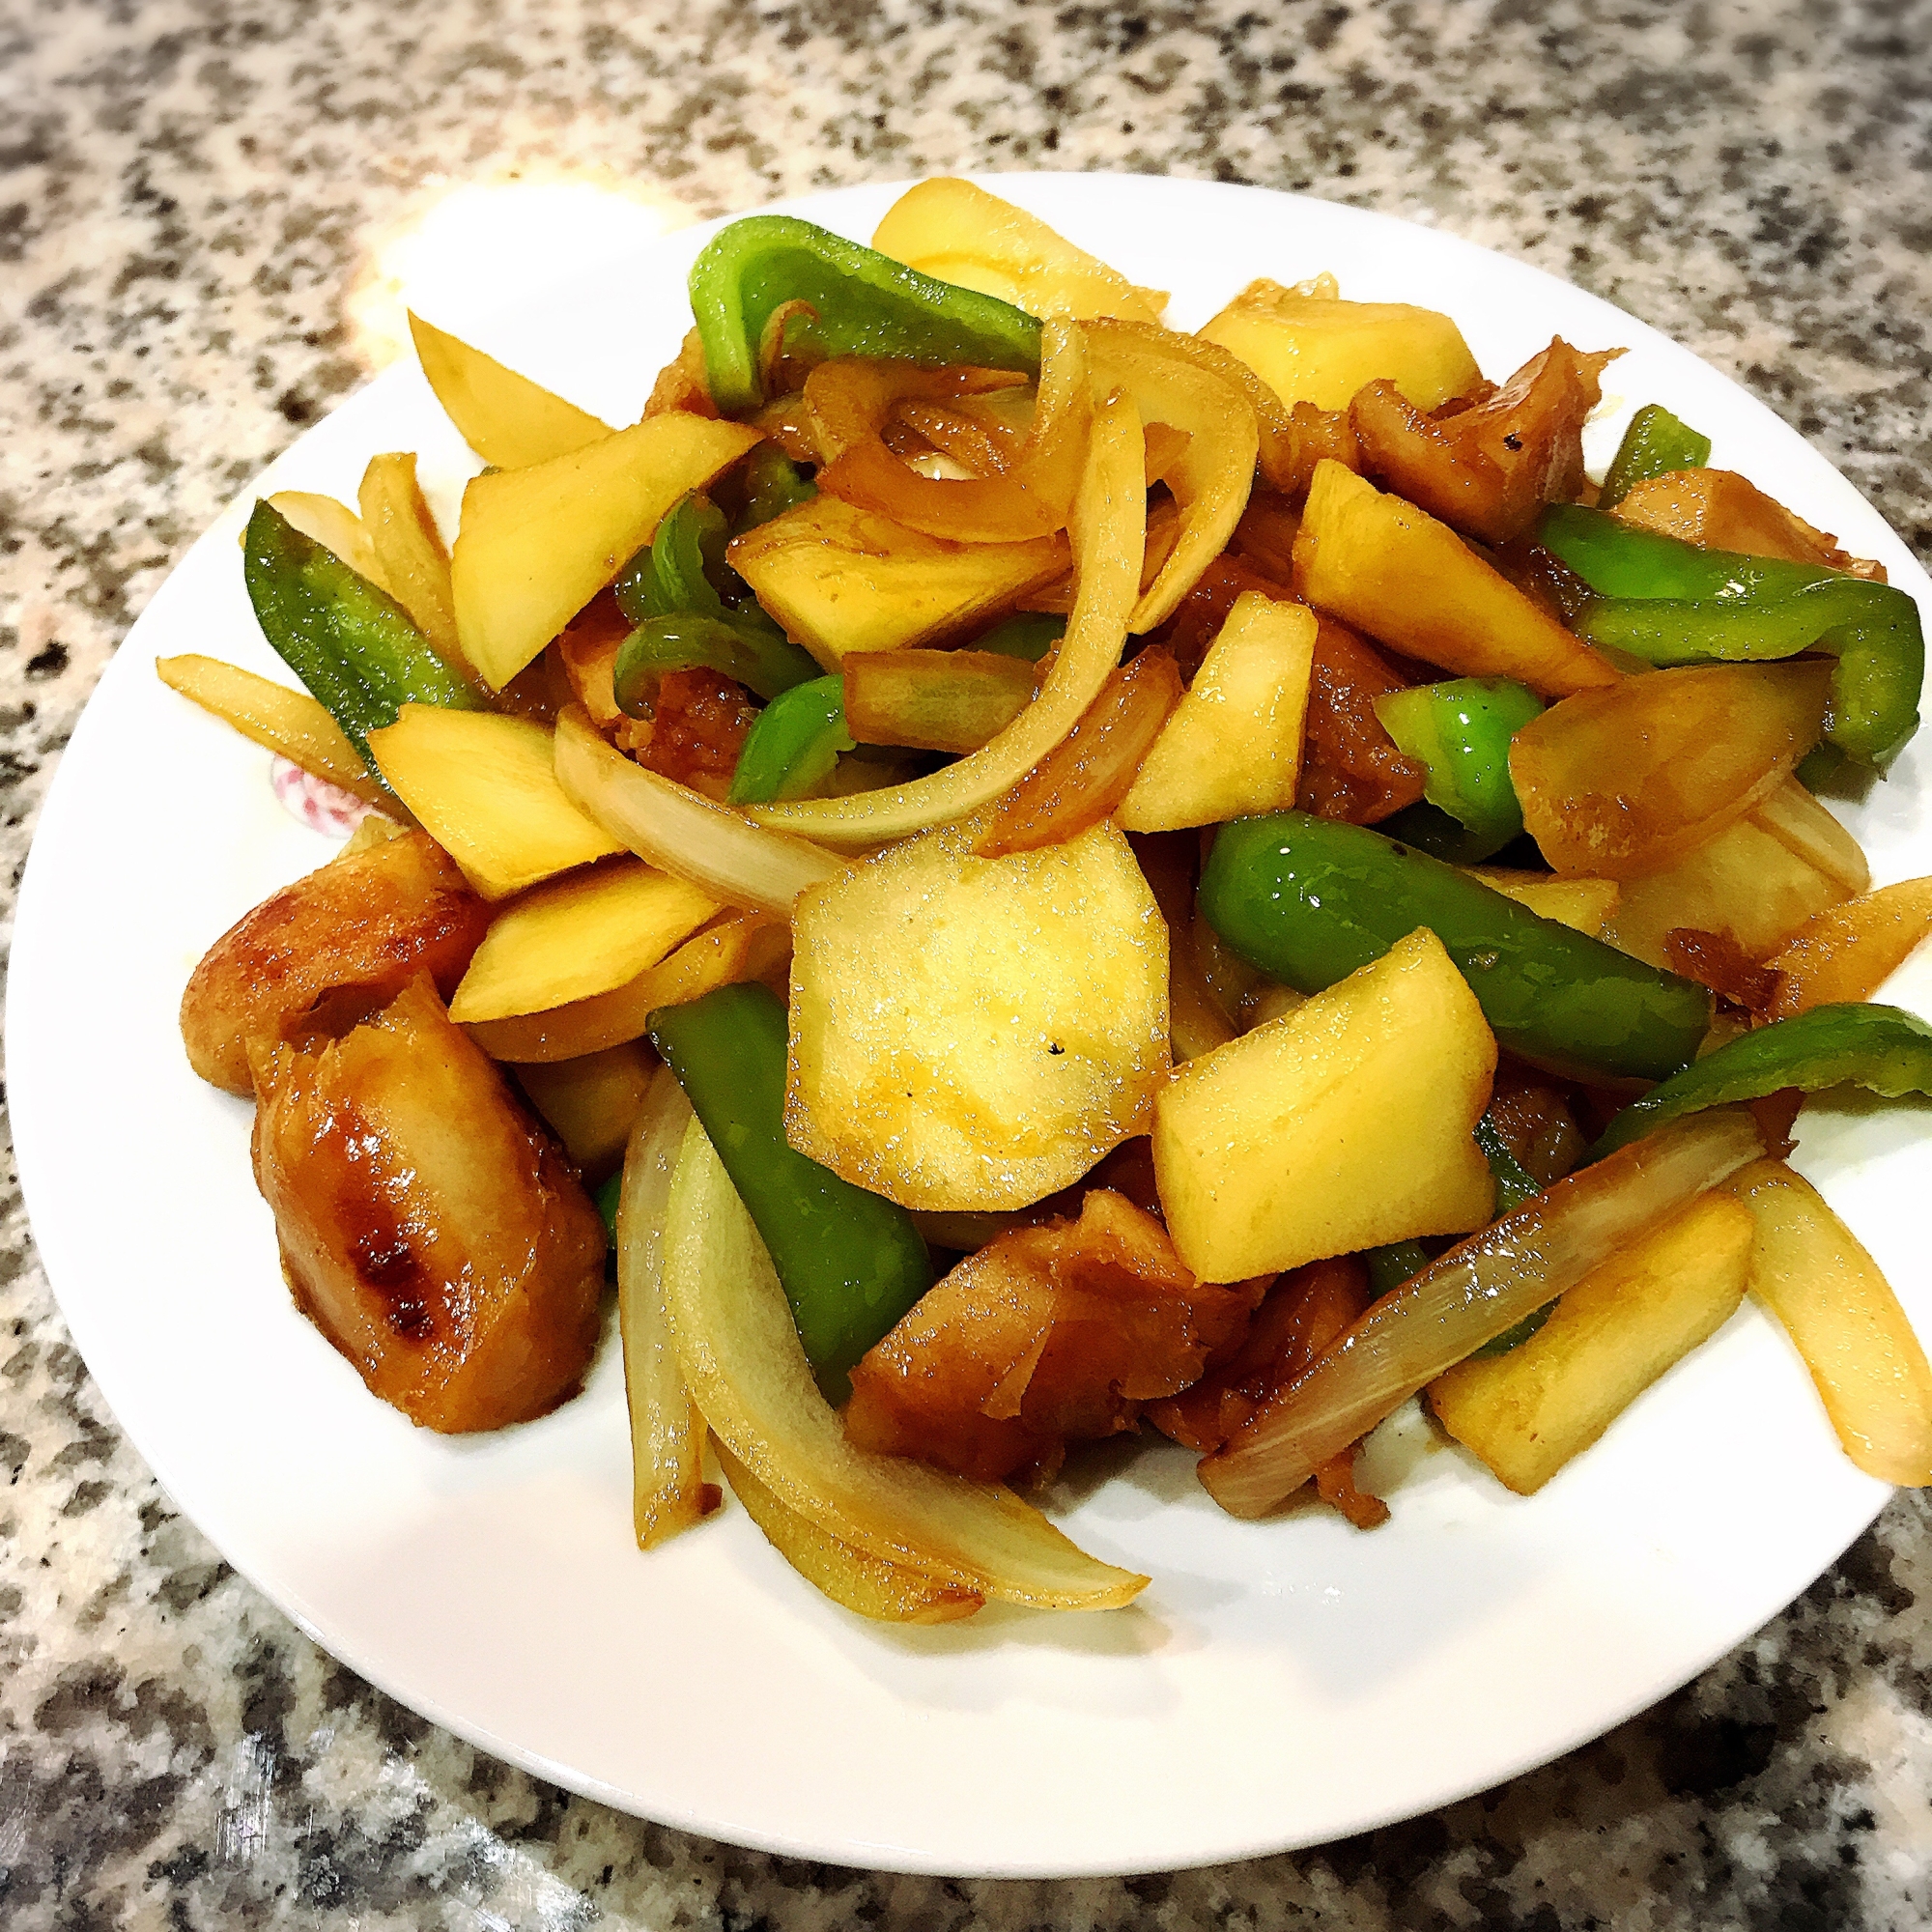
{"x":196,"y":201}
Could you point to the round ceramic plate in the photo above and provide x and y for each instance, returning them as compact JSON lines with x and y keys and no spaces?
{"x":1279,"y":1683}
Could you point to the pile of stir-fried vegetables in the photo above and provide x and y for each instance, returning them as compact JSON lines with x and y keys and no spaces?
{"x":1059,"y":875}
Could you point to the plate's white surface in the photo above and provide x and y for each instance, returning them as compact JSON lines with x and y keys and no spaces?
{"x":1278,"y":1684}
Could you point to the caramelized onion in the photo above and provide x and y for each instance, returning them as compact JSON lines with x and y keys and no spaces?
{"x":672,"y":827}
{"x":851,"y":402}
{"x":1086,"y":776}
{"x":1468,"y":1296}
{"x":1108,"y":528}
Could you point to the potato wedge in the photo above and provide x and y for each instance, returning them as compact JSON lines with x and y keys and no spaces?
{"x":1233,"y":744}
{"x":958,"y":233}
{"x":288,"y":723}
{"x":574,"y":938}
{"x":973,"y":1034}
{"x":536,"y":545}
{"x":591,"y":1103}
{"x":507,"y":420}
{"x":1848,"y":952}
{"x":1317,"y":349}
{"x":934,"y":700}
{"x":335,"y":526}
{"x":1527,"y":1412}
{"x":1392,"y":571}
{"x":1582,"y":904}
{"x":1344,"y":1124}
{"x":485,"y":788}
{"x":1806,"y":1267}
{"x":409,"y":549}
{"x":841,"y":579}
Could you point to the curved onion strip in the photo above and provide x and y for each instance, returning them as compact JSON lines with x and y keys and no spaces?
{"x":674,"y":828}
{"x":1212,"y":477}
{"x":744,"y":1364}
{"x":1292,"y":441}
{"x":668,"y":1492}
{"x":1086,"y":776}
{"x":1467,"y":1298}
{"x":1108,"y":528}
{"x":890,"y":1592}
{"x":849,"y":402}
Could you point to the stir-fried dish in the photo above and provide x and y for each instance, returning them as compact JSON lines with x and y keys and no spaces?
{"x":1052,"y":876}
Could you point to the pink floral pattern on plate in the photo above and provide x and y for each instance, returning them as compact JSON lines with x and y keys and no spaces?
{"x":321,"y":806}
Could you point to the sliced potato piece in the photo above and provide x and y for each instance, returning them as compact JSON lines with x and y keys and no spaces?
{"x":591,"y":1103}
{"x":288,"y":723}
{"x":573,"y":938}
{"x":753,"y":947}
{"x":747,"y":1370}
{"x":1527,"y":1412}
{"x":1312,"y":348}
{"x":873,"y":1586}
{"x":1806,"y":827}
{"x":958,"y":233}
{"x":485,"y":788}
{"x":1344,"y":1124}
{"x":1806,"y":1267}
{"x":1848,"y":952}
{"x":934,"y":700}
{"x":1623,"y":780}
{"x":335,"y":526}
{"x":841,"y":579}
{"x":1392,"y":571}
{"x":1233,"y":744}
{"x":409,"y":549}
{"x":504,"y":417}
{"x":536,"y":545}
{"x":1582,"y":904}
{"x":972,"y":1034}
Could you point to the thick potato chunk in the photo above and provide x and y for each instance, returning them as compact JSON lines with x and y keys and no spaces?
{"x":1527,"y":1412}
{"x":1233,"y":744}
{"x":429,"y":1228}
{"x":1340,"y":1125}
{"x":374,"y":920}
{"x":1315,"y":349}
{"x":976,"y":1032}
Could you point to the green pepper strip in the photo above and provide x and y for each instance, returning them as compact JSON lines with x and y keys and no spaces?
{"x":851,"y":1262}
{"x":354,"y":647}
{"x":1671,"y":603}
{"x":794,"y":744}
{"x":674,"y":572}
{"x":1654,"y":444}
{"x":1308,"y":901}
{"x":773,"y":484}
{"x":1461,"y":728}
{"x":860,"y":303}
{"x":1882,"y":1049}
{"x":767,"y":666}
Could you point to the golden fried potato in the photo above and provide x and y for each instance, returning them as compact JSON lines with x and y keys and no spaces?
{"x":373,"y":919}
{"x":429,"y":1228}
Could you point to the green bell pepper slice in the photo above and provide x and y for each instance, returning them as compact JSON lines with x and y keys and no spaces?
{"x":677,"y":570}
{"x":1672,"y":603}
{"x":860,"y":303}
{"x":1882,"y":1049}
{"x":768,"y":665}
{"x":1308,"y":900}
{"x":851,"y":1262}
{"x":794,"y":744}
{"x":1026,"y":634}
{"x":1654,"y":444}
{"x":1461,"y":729}
{"x":353,"y":647}
{"x":773,"y":484}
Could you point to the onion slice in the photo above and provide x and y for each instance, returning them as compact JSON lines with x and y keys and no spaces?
{"x":744,"y":1364}
{"x":679,"y":831}
{"x":1212,"y":477}
{"x":887,"y":1592}
{"x":1108,"y":526}
{"x":1467,"y":1298}
{"x":668,"y":1492}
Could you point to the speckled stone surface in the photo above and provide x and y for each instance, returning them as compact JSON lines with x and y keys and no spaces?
{"x":189,"y":191}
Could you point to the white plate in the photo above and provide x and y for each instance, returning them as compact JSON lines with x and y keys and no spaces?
{"x":1279,"y":1683}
